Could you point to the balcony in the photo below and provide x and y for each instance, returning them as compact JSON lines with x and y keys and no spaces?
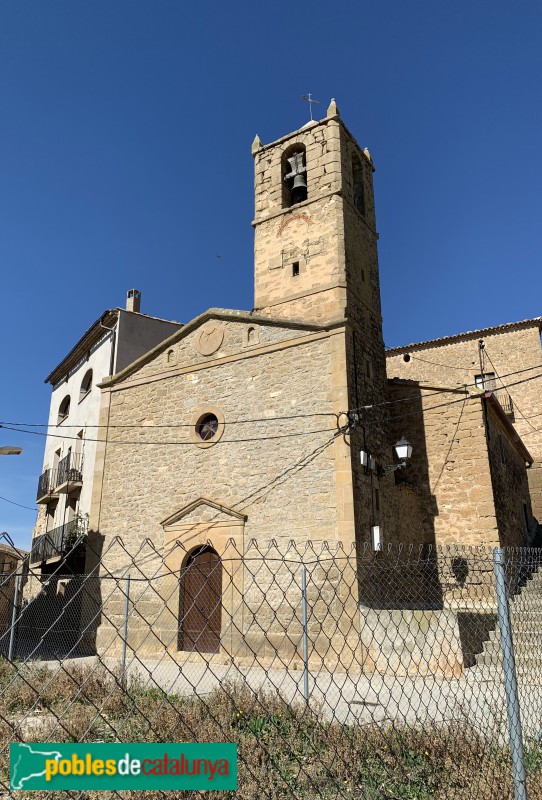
{"x":69,"y":476}
{"x":57,"y":542}
{"x":505,"y":402}
{"x":46,"y":486}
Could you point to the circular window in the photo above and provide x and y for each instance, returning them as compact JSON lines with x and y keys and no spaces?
{"x":207,"y":427}
{"x":406,"y":358}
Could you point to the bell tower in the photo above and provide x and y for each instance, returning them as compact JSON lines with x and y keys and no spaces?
{"x":315,"y":237}
{"x":316,"y":261}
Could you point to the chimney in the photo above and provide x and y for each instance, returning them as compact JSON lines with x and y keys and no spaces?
{"x":133,"y":300}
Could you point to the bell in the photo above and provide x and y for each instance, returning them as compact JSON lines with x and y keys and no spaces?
{"x":299,"y":189}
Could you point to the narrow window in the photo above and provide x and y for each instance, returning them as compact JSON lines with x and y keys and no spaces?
{"x":294,"y":176}
{"x":358,"y":184}
{"x":377,"y":499}
{"x":170,"y":356}
{"x":295,"y":269}
{"x":86,"y":384}
{"x":63,"y":410}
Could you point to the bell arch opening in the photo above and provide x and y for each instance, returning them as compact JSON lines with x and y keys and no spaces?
{"x":294,"y":175}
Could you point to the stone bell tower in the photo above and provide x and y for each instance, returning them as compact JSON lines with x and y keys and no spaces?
{"x":315,"y":237}
{"x":316,"y":261}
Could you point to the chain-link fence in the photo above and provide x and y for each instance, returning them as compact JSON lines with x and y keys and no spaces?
{"x":339,"y":673}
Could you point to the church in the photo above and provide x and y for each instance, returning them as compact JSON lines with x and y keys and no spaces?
{"x":291,"y":422}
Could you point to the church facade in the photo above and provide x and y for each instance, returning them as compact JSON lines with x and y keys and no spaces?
{"x":249,"y":396}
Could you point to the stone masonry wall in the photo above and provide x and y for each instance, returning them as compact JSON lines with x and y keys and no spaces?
{"x":449,"y":463}
{"x":510,"y":483}
{"x":275,"y":463}
{"x":455,"y":363}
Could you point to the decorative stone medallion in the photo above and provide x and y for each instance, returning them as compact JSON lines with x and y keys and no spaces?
{"x":209,"y":339}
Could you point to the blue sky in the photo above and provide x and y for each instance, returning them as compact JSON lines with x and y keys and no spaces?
{"x":125,"y":162}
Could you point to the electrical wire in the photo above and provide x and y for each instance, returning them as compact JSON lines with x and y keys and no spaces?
{"x":438,"y":364}
{"x":518,"y":409}
{"x":449,"y":389}
{"x":7,"y":423}
{"x":13,"y":503}
{"x":459,"y":400}
{"x":159,"y":444}
{"x":170,"y":425}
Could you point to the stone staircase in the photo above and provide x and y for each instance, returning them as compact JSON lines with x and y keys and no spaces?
{"x":526,"y":620}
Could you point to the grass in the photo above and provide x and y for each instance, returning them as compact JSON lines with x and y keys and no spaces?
{"x":284,"y":751}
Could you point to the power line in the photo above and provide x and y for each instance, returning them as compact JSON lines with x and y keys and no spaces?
{"x":445,"y":391}
{"x":537,"y":430}
{"x":13,"y":503}
{"x":438,"y":364}
{"x":459,"y":400}
{"x":175,"y":443}
{"x":169,"y":425}
{"x":7,"y":423}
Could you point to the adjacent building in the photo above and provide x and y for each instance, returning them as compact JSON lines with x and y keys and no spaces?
{"x":118,"y":337}
{"x":505,"y":360}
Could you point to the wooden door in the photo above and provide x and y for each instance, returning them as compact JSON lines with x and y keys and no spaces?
{"x":201,"y":602}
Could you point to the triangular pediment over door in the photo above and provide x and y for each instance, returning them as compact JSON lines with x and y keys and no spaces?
{"x":204,"y":521}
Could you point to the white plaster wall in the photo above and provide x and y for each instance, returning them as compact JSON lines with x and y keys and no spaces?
{"x":84,"y":415}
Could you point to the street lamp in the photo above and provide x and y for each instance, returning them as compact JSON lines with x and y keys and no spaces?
{"x":403,"y":449}
{"x":8,"y":450}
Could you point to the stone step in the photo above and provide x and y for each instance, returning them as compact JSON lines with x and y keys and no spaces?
{"x":526,"y":665}
{"x":526,"y":621}
{"x":518,"y":613}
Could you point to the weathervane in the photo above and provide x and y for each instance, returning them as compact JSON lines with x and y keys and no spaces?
{"x":310,"y":100}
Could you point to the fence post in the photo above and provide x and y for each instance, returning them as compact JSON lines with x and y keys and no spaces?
{"x":13,"y":619}
{"x":510,"y":678}
{"x":305,"y":637}
{"x":125,"y":627}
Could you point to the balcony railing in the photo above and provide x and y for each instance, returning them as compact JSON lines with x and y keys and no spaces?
{"x":58,"y":541}
{"x":70,"y":469}
{"x":46,"y":484}
{"x":505,"y":401}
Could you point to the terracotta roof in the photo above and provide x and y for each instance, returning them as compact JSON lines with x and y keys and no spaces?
{"x":13,"y":551}
{"x":457,"y":336}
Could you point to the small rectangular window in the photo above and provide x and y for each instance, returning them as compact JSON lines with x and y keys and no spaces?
{"x":486,"y":381}
{"x":295,"y":269}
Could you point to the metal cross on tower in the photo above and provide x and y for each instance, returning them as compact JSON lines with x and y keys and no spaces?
{"x":310,"y":100}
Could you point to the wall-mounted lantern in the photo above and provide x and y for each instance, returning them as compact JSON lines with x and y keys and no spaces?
{"x":403,"y":449}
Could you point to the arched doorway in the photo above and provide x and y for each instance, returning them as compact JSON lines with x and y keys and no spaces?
{"x":200,"y":601}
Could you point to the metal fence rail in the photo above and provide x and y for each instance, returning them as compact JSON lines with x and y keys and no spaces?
{"x":340,"y":673}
